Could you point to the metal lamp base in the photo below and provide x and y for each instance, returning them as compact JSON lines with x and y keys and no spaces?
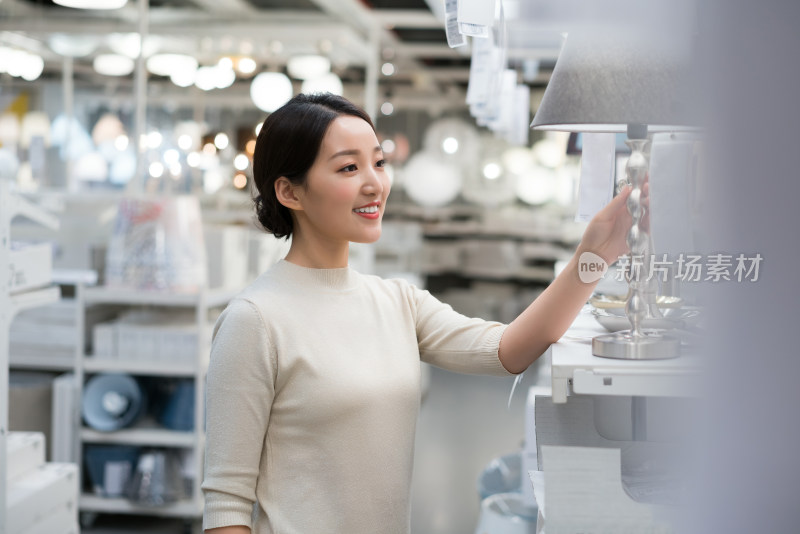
{"x":650,"y":345}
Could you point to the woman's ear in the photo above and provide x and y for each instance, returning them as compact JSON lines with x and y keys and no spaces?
{"x":286,"y":193}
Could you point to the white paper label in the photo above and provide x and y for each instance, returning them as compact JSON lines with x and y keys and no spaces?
{"x":596,"y":186}
{"x":454,"y":35}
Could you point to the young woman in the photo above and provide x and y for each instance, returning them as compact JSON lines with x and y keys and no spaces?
{"x":314,"y":381}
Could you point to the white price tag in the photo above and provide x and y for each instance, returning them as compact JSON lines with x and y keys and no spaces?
{"x":454,"y":35}
{"x":475,"y":17}
{"x":596,"y":186}
{"x":479,"y":72}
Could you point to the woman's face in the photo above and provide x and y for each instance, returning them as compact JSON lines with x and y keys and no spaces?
{"x":346,"y":187}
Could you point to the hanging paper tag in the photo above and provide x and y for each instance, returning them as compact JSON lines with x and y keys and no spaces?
{"x":597,"y":174}
{"x":454,"y":36}
{"x":475,"y":17}
{"x":479,"y":72}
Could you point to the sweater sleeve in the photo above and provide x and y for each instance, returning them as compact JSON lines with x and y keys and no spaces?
{"x":240,"y":389}
{"x":455,"y":342}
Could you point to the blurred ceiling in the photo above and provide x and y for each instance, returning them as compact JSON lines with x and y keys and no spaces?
{"x":354,"y":34}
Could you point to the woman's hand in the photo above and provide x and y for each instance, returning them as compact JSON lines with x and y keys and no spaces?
{"x":607,"y":232}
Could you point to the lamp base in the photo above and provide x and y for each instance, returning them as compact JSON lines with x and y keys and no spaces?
{"x":650,"y":345}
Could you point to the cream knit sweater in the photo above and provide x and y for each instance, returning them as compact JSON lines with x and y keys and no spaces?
{"x":313,"y":395}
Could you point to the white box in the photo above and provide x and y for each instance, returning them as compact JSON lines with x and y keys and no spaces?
{"x":104,"y":340}
{"x":24,"y":453}
{"x":33,"y":497}
{"x":31,"y":266}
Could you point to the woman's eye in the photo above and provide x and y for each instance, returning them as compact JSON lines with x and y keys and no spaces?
{"x":349,"y":168}
{"x":381,"y":163}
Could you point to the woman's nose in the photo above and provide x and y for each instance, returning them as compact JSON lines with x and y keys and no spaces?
{"x":372,"y":182}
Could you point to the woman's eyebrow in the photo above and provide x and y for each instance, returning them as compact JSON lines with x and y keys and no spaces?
{"x":352,"y":152}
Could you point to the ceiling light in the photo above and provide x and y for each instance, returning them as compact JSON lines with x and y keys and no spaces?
{"x":34,"y":66}
{"x":206,"y":78}
{"x":166,"y":64}
{"x":388,"y":146}
{"x":225,"y":77}
{"x":387,"y":69}
{"x":327,"y":83}
{"x":130,"y":44}
{"x":5,"y":58}
{"x":225,"y":62}
{"x":16,"y":62}
{"x":221,"y":141}
{"x":193,"y":159}
{"x":113,"y":65}
{"x":270,"y":90}
{"x":156,"y":169}
{"x":171,"y":156}
{"x":387,"y":108}
{"x":189,"y":135}
{"x":492,"y":171}
{"x":246,"y":65}
{"x":239,"y":181}
{"x":91,"y":4}
{"x":430,"y":180}
{"x":154,"y":140}
{"x":308,"y":66}
{"x":183,"y":78}
{"x":72,"y":45}
{"x":185,"y":142}
{"x":450,"y":145}
{"x":537,"y":185}
{"x":241,"y":162}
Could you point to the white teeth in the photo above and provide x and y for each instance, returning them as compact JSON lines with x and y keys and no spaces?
{"x":371,"y":209}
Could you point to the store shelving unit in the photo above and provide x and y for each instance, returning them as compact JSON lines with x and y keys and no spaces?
{"x":575,"y":369}
{"x":582,"y":485}
{"x":147,"y":432}
{"x":12,"y":206}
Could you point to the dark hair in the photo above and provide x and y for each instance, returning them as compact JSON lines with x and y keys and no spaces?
{"x":288,"y":145}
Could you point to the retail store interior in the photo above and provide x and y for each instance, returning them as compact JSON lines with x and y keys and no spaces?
{"x":127,"y":135}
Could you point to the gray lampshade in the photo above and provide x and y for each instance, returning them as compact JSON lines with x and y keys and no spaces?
{"x":603,"y":84}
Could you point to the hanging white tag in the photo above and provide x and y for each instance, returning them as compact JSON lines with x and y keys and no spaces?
{"x":454,"y":36}
{"x":596,"y":187}
{"x":475,"y":17}
{"x":479,"y":72}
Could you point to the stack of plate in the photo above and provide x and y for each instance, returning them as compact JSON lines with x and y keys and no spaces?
{"x":609,"y":311}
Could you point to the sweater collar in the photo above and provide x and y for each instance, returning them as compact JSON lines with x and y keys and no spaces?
{"x":339,"y":279}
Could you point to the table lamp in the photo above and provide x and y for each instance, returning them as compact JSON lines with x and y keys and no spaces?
{"x":632,"y":84}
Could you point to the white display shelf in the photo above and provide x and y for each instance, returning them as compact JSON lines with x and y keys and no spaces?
{"x":105,"y":295}
{"x":93,"y":364}
{"x":41,"y":361}
{"x":94,"y":503}
{"x":575,"y":367}
{"x":35,"y":298}
{"x":146,"y":433}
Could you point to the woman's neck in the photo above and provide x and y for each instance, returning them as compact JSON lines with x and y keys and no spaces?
{"x":318,"y":253}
